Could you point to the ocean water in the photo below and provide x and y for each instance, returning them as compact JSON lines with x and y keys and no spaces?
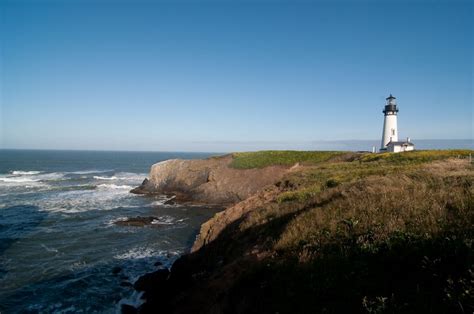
{"x":60,"y":251}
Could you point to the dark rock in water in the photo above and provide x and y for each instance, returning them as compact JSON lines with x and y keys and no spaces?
{"x":151,"y":281}
{"x":128,"y":309}
{"x":161,"y":287}
{"x":170,"y":202}
{"x":126,"y":284}
{"x":158,"y":263}
{"x":145,"y":188}
{"x":116,"y":270}
{"x":136,"y":221}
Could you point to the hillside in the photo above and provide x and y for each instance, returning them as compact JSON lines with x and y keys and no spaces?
{"x":340,"y":232}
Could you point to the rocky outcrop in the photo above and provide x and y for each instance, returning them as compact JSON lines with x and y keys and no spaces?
{"x":209,"y":181}
{"x":211,"y":229}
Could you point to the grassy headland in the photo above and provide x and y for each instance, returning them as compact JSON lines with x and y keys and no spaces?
{"x":358,"y":233}
{"x":249,"y":160}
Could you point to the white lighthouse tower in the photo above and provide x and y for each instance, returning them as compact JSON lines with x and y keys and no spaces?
{"x":390,"y":141}
{"x":390,"y":130}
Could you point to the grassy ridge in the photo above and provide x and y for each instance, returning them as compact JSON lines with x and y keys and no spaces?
{"x":261,"y":159}
{"x":249,"y":160}
{"x":417,"y":156}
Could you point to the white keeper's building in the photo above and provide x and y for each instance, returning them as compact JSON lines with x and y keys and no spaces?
{"x":390,"y":142}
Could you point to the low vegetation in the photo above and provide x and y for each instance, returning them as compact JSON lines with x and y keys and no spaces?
{"x":381,"y":233}
{"x":417,"y":156}
{"x":262,"y":159}
{"x":386,"y":235}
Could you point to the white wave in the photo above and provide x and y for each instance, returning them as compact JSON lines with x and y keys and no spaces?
{"x":50,"y":176}
{"x":111,"y":222}
{"x":162,"y":201}
{"x":17,"y":180}
{"x":135,"y":300}
{"x":76,"y":201}
{"x":163,"y":220}
{"x":136,"y":253}
{"x":49,"y":249}
{"x":139,"y":177}
{"x":90,"y":171}
{"x":105,"y":178}
{"x":158,"y":203}
{"x":20,"y":172}
{"x":145,"y":252}
{"x":115,"y":187}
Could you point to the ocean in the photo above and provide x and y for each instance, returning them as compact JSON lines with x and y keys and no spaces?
{"x":60,"y":251}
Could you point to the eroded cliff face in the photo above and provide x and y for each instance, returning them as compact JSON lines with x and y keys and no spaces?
{"x":208,"y":181}
{"x":211,"y":229}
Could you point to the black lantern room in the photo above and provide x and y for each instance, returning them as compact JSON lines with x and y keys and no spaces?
{"x":391,"y":106}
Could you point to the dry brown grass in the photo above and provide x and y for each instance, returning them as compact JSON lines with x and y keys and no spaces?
{"x":370,"y":202}
{"x":423,"y":203}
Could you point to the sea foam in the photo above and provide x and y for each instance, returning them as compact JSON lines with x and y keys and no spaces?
{"x":20,"y":172}
{"x":17,"y":180}
{"x":114,"y":186}
{"x":105,"y":178}
{"x":136,"y":253}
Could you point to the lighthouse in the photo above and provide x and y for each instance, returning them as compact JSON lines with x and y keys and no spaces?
{"x":390,"y":130}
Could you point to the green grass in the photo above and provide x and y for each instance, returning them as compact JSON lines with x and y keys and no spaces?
{"x":417,"y":156}
{"x":261,"y":159}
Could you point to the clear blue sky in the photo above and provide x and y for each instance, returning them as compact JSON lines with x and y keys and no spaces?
{"x":195,"y":75}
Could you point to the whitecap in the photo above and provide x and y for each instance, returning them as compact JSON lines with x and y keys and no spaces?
{"x":158,"y":203}
{"x":21,"y":172}
{"x":136,"y":253}
{"x":131,"y":176}
{"x":162,"y":201}
{"x":104,"y":197}
{"x":114,"y":186}
{"x":17,"y":180}
{"x":105,"y":178}
{"x":52,"y":176}
{"x":49,"y":249}
{"x":163,"y":220}
{"x":90,"y":171}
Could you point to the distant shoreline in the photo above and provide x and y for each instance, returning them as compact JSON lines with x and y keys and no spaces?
{"x":223,"y":147}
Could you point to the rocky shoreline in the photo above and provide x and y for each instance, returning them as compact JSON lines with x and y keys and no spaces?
{"x":210,"y":182}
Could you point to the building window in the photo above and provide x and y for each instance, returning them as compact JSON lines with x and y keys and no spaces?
{"x":393,"y":132}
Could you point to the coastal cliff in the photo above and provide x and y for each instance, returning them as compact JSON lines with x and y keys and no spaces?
{"x":380,"y":232}
{"x":209,"y":181}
